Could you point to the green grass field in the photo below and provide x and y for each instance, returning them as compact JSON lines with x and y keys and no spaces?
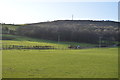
{"x":84,"y":63}
{"x":27,"y":41}
{"x":58,"y":63}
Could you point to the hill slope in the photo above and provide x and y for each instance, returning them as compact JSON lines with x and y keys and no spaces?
{"x":10,"y":40}
{"x":72,"y":30}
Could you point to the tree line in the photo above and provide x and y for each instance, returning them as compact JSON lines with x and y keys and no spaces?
{"x":73,"y":30}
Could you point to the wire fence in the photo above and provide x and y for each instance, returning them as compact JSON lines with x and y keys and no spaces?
{"x":4,"y":47}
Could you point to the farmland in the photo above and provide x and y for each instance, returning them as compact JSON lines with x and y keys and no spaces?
{"x":27,"y":41}
{"x":60,"y":62}
{"x":85,"y":63}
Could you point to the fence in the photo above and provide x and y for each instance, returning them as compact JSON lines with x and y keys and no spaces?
{"x":26,"y":47}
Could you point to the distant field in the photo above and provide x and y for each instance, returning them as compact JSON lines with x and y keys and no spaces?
{"x":27,"y":41}
{"x":10,"y":26}
{"x":85,"y":63}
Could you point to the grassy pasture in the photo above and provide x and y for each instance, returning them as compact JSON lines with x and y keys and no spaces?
{"x":10,"y":26}
{"x":85,"y":63}
{"x":31,"y":43}
{"x":27,"y":41}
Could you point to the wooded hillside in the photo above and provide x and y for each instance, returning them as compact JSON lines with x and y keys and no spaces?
{"x":87,"y":31}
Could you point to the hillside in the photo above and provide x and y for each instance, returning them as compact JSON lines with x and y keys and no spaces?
{"x":9,"y":28}
{"x":86,"y":31}
{"x":12,"y":40}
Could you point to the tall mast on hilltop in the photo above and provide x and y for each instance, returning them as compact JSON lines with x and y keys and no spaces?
{"x":72,"y":16}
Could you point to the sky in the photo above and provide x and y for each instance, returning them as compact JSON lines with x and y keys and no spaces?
{"x":33,"y":11}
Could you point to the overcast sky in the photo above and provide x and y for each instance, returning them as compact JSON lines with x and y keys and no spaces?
{"x":32,"y":11}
